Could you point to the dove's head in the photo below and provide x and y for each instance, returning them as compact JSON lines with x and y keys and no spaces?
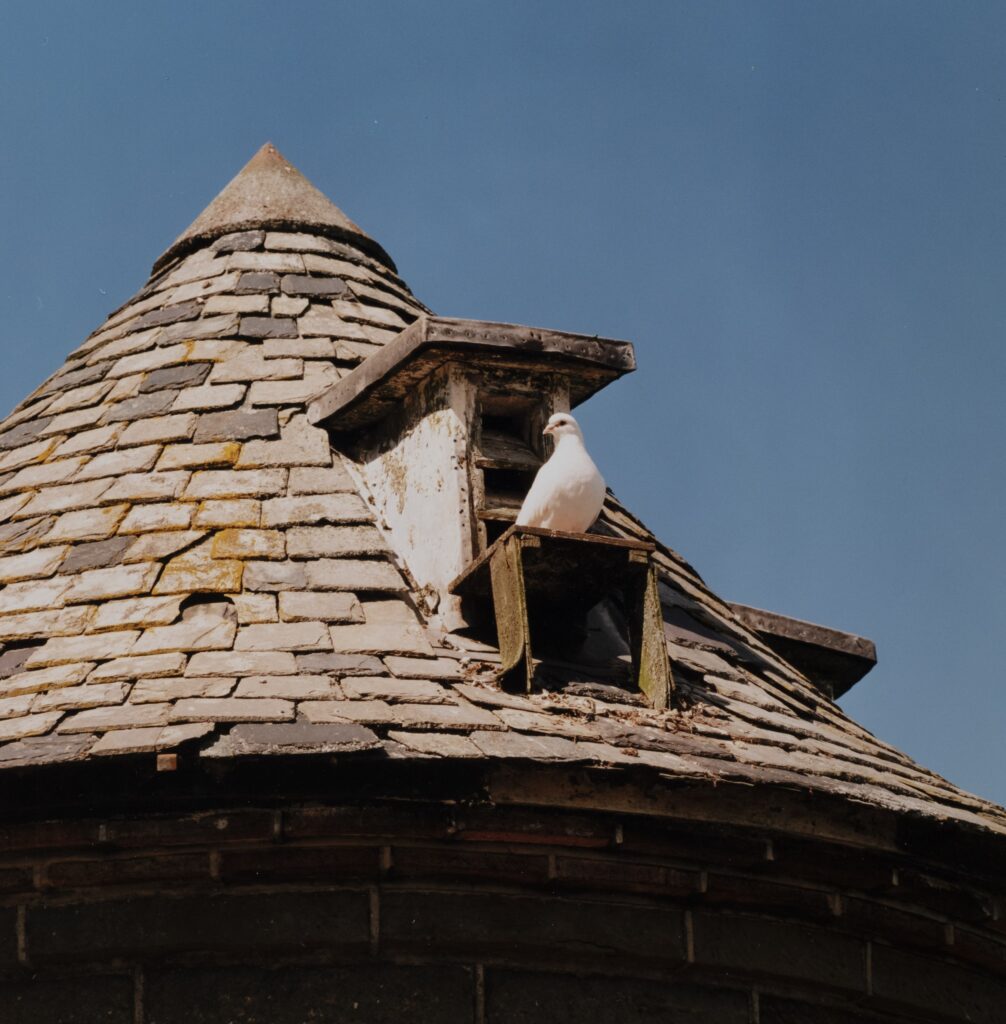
{"x":561,"y":425}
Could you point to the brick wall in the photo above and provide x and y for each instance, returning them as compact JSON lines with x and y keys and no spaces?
{"x":440,"y":913}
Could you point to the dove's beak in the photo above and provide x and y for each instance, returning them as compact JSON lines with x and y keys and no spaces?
{"x":549,"y":430}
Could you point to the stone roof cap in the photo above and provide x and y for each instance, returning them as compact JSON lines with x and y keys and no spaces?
{"x":269,"y":192}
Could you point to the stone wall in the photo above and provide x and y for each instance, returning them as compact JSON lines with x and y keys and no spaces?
{"x":443,"y":913}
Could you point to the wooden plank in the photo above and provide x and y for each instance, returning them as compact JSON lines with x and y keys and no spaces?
{"x":650,"y":662}
{"x":497,"y":450}
{"x":474,"y":580}
{"x":510,"y":606}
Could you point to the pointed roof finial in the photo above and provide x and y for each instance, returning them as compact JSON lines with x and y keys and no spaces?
{"x":269,"y":192}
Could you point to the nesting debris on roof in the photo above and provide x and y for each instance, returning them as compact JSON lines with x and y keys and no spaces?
{"x":187,"y":565}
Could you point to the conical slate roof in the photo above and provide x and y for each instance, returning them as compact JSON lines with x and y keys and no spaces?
{"x":186,"y":564}
{"x":269,"y":192}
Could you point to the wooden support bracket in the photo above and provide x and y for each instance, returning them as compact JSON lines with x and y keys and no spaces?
{"x":545,"y":581}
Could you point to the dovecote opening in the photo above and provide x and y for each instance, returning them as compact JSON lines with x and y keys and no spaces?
{"x":508,"y":452}
{"x":565,"y":598}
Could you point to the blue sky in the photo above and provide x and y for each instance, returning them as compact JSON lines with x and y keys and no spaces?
{"x":796,"y":212}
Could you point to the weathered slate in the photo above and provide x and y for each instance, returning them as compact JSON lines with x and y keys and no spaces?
{"x":323,"y":287}
{"x":236,"y":426}
{"x":295,"y":738}
{"x":267,"y":327}
{"x":175,"y":377}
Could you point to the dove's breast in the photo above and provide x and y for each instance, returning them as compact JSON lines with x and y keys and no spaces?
{"x":566,"y":495}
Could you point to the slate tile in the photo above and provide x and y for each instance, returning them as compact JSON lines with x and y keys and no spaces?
{"x":115,"y":463}
{"x":168,"y":315}
{"x":237,"y":304}
{"x":241,"y":663}
{"x":29,"y":725}
{"x":396,"y":691}
{"x":23,"y":433}
{"x":13,"y":659}
{"x":297,"y":241}
{"x":123,"y":716}
{"x":265,"y":262}
{"x":332,"y":606}
{"x":160,"y":428}
{"x":204,"y":288}
{"x":84,"y":524}
{"x":257,"y":283}
{"x":238,"y":241}
{"x":532,"y":748}
{"x":196,"y":267}
{"x":200,"y":456}
{"x":340,"y":664}
{"x":274,"y":576}
{"x":447,"y":717}
{"x":251,"y":366}
{"x":229,"y":512}
{"x":364,"y":712}
{"x":208,"y":327}
{"x":25,"y":532}
{"x":55,"y":622}
{"x":186,"y":375}
{"x":296,"y":737}
{"x":45,"y":750}
{"x":288,"y":687}
{"x":314,"y":480}
{"x":78,"y":698}
{"x":353,"y":574}
{"x":285,"y":305}
{"x":171,"y":688}
{"x":284,"y":636}
{"x":254,"y":608}
{"x":267,"y":327}
{"x":232,"y":483}
{"x":209,"y":397}
{"x":237,"y":426}
{"x":423,"y":668}
{"x":93,"y":440}
{"x":46,"y":679}
{"x":97,"y":555}
{"x":442,"y":744}
{"x":142,"y":407}
{"x":117,"y":581}
{"x":146,"y":666}
{"x":230,"y":709}
{"x":317,"y":378}
{"x":135,"y":611}
{"x":345,"y":507}
{"x":31,"y":565}
{"x":297,"y":284}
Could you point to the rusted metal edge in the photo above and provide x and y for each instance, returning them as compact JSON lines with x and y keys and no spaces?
{"x":430,"y":337}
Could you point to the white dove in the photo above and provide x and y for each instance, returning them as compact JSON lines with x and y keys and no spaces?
{"x":568,"y":491}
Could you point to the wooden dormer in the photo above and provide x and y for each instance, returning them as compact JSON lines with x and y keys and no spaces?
{"x":445,"y":427}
